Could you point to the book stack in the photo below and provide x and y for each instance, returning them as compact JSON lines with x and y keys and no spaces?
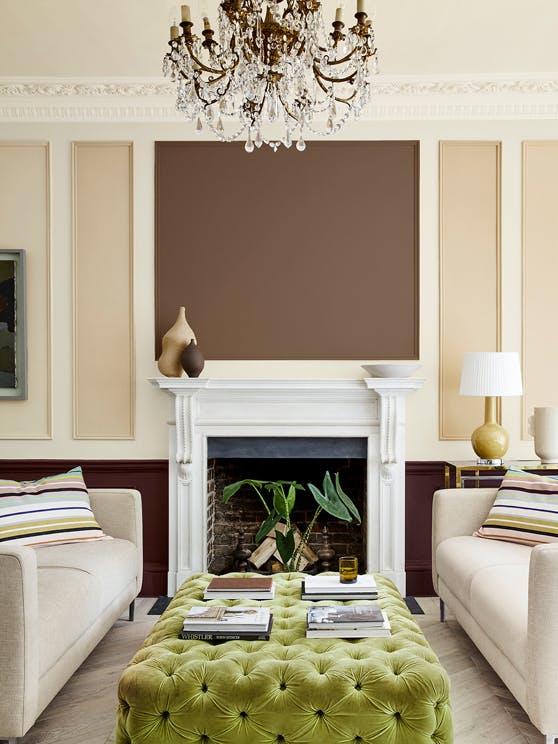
{"x":248,"y":587}
{"x":329,"y":587}
{"x":342,"y":621}
{"x":218,"y":623}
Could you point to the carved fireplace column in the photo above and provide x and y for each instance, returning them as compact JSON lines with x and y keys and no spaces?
{"x":386,"y":539}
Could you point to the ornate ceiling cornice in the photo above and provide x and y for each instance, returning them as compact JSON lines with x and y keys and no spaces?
{"x":395,"y":98}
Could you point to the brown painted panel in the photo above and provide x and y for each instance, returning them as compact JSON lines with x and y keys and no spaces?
{"x":290,"y":255}
{"x":421,"y":480}
{"x":150,"y":477}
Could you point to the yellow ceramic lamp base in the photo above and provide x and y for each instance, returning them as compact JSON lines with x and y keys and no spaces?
{"x":490,"y":441}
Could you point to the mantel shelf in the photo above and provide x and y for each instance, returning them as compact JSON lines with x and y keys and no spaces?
{"x":223,"y":383}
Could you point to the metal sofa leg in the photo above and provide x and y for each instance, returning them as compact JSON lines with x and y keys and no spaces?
{"x":13,"y":740}
{"x":442,"y":611}
{"x":131,"y":609}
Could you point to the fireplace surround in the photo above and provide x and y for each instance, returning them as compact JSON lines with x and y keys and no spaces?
{"x":372,"y":409}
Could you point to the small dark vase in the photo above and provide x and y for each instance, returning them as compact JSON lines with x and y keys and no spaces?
{"x":192,"y":360}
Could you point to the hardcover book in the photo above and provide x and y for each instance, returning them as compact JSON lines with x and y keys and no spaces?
{"x":230,"y":587}
{"x":229,"y":619}
{"x":240,"y":583}
{"x":344,"y":596}
{"x":382,"y":630}
{"x":345,"y":616}
{"x":227,"y":635}
{"x":321,"y":584}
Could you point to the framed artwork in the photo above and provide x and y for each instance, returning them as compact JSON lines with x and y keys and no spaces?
{"x":13,"y":349}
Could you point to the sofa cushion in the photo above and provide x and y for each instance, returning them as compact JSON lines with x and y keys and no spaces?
{"x":54,"y":509}
{"x":459,"y":559}
{"x":68,"y":602}
{"x":112,"y":564}
{"x":525,"y":509}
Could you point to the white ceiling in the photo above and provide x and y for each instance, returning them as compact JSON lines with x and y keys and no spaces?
{"x":127,"y":38}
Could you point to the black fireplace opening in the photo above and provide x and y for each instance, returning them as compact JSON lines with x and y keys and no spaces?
{"x":232,"y":527}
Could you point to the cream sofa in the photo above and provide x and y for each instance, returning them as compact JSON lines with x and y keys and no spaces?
{"x":504,"y":596}
{"x":57,"y":602}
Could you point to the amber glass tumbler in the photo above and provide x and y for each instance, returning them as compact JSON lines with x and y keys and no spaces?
{"x":348,"y":569}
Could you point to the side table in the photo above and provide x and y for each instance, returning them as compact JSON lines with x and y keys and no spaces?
{"x":469,"y":474}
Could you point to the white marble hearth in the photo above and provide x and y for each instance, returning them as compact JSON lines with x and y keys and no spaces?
{"x":373,"y":409}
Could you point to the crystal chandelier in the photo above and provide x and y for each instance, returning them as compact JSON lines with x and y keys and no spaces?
{"x":273,"y":69}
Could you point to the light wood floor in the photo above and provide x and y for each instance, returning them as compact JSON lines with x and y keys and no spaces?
{"x":484,"y":711}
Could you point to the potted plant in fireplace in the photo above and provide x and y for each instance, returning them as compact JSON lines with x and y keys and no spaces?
{"x":279,"y":498}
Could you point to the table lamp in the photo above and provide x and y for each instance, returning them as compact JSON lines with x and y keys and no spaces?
{"x":492,"y":374}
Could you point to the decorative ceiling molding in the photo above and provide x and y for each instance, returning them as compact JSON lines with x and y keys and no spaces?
{"x":393,"y":98}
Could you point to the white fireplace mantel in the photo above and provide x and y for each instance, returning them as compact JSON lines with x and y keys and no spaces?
{"x":373,"y":409}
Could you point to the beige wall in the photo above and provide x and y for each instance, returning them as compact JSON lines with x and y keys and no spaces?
{"x":127,"y":38}
{"x":152,"y":405}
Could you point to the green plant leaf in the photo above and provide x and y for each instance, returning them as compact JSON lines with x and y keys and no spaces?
{"x":285,"y":545}
{"x":267,"y":525}
{"x":347,"y":500}
{"x":279,"y":498}
{"x":230,"y":490}
{"x":291,"y":497}
{"x":329,"y":500}
{"x":298,"y":486}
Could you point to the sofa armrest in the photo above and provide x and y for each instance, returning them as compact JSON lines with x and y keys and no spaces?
{"x":457,"y":511}
{"x":542,"y":638}
{"x":118,"y":511}
{"x":19,"y":653}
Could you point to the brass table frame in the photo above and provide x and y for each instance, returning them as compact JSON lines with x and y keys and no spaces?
{"x":470,"y":470}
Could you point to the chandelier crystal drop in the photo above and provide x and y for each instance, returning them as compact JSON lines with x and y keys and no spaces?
{"x":274,"y":74}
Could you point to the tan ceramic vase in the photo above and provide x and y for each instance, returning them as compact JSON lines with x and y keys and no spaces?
{"x":175,"y":340}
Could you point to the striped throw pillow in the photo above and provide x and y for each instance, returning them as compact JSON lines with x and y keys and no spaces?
{"x":525,"y":510}
{"x":47,"y":511}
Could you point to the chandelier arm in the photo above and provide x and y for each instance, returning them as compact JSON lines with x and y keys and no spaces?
{"x":319,"y":75}
{"x":218,"y":79}
{"x":205,"y":101}
{"x":347,"y":57}
{"x":335,"y":98}
{"x":286,"y":107}
{"x":346,"y":100}
{"x":222,"y":72}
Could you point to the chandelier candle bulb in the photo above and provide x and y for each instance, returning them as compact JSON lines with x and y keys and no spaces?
{"x":185,"y":11}
{"x":360,"y":6}
{"x":339,"y":14}
{"x":206,"y":24}
{"x":174,"y":32}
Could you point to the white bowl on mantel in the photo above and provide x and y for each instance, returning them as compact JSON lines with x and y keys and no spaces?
{"x":392,"y":370}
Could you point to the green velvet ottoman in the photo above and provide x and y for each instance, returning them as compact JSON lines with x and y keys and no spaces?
{"x":288,"y":690}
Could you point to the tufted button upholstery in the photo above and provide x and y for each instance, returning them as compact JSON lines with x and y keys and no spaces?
{"x":288,"y":690}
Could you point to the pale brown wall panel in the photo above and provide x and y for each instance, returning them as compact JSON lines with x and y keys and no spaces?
{"x":540,"y":268}
{"x":104,"y":364}
{"x":25,"y":224}
{"x":290,"y":255}
{"x":469,"y":273}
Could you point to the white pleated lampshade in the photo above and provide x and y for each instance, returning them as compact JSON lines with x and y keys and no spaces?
{"x":491,"y":373}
